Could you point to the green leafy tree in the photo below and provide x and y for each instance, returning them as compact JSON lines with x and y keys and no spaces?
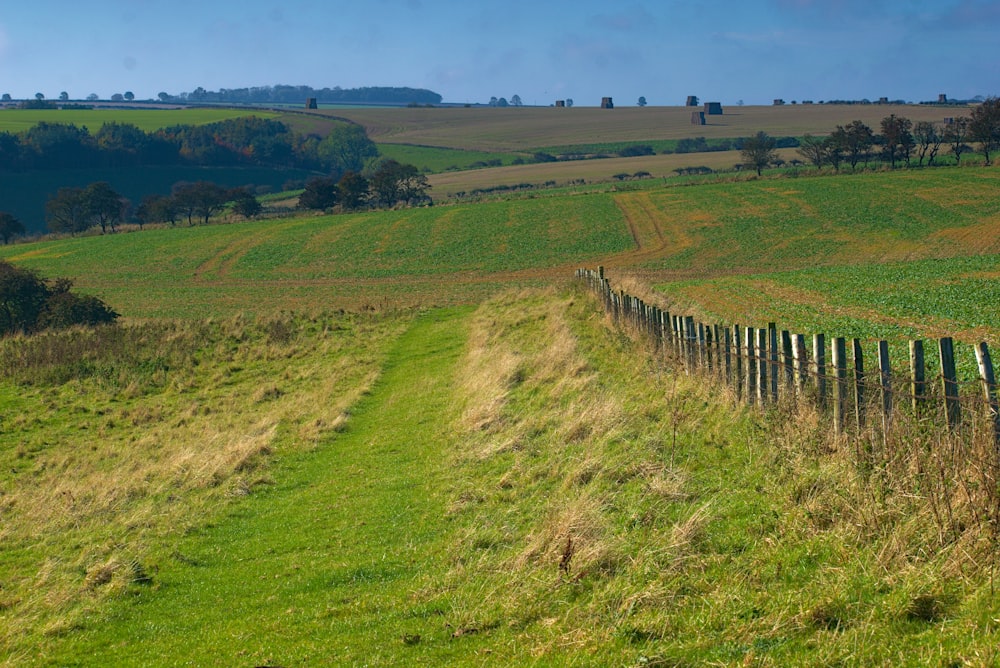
{"x":984,"y":127}
{"x":346,"y":149}
{"x":157,"y":209}
{"x":855,"y":141}
{"x":759,"y":151}
{"x":394,"y":182}
{"x":67,"y":211}
{"x":642,"y":101}
{"x":320,"y":193}
{"x":246,"y":205}
{"x":104,"y":205}
{"x":10,"y":227}
{"x":201,"y":199}
{"x":353,"y":190}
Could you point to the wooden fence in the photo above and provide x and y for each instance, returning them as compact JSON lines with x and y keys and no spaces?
{"x":763,"y":366}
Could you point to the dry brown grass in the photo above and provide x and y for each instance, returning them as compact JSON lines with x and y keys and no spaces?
{"x":527,"y":128}
{"x":90,"y":515}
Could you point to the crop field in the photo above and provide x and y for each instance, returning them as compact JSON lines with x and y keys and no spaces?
{"x":592,"y":171}
{"x":147,"y":120}
{"x":438,"y":253}
{"x":531,"y":128}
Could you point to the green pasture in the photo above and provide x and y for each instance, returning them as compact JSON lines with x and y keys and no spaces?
{"x":147,"y":120}
{"x":321,"y":260}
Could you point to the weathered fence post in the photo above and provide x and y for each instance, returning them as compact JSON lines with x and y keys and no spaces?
{"x":953,"y":409}
{"x":819,"y":353}
{"x":839,"y":355}
{"x":692,"y":337}
{"x":738,"y":356}
{"x":885,"y":382}
{"x":918,"y":384}
{"x":989,"y":387}
{"x":772,"y":349}
{"x":728,"y":352}
{"x":748,"y":344}
{"x":801,"y":362}
{"x":859,"y":384}
{"x":762,"y":385}
{"x":702,"y":350}
{"x":787,"y":362}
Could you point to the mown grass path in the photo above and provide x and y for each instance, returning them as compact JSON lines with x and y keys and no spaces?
{"x":325,"y":568}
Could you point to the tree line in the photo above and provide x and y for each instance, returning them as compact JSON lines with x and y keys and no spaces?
{"x":899,"y":142}
{"x":73,"y":210}
{"x":284,"y":94}
{"x":247,"y":140}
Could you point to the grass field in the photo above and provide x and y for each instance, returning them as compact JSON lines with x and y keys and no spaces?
{"x":148,"y":120}
{"x":405,"y":437}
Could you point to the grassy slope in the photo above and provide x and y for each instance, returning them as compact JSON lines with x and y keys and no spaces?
{"x":515,"y":489}
{"x":432,"y":255}
{"x":148,"y":120}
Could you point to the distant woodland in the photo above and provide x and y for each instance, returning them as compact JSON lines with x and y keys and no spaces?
{"x":299,"y":94}
{"x":241,"y":141}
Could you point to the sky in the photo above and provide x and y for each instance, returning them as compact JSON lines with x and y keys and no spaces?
{"x":541,"y":50}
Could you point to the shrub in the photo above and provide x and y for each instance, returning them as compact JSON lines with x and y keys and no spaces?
{"x":29,"y":303}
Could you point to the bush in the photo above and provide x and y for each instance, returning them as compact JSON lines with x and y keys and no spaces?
{"x":636,"y":150}
{"x":29,"y":303}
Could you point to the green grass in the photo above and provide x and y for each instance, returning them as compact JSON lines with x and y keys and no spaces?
{"x":336,"y":543}
{"x":521,"y":485}
{"x":148,"y":120}
{"x":260,"y":266}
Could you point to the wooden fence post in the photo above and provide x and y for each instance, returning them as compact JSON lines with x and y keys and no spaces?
{"x":787,"y":361}
{"x":702,"y":349}
{"x":772,"y":348}
{"x":728,"y":352}
{"x":801,"y":362}
{"x":918,"y":384}
{"x":692,"y":337}
{"x":952,"y":407}
{"x":819,"y":353}
{"x":738,"y":357}
{"x":860,"y":400}
{"x":989,"y":387}
{"x":762,"y":386}
{"x":885,"y":382}
{"x":839,"y":355}
{"x":748,"y":345}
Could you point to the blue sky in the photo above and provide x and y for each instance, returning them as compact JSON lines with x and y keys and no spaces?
{"x":541,"y":50}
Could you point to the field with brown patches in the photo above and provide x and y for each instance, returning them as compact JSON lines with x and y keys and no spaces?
{"x":528,"y":128}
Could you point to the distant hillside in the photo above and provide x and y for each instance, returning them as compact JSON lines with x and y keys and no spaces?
{"x":297,"y":94}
